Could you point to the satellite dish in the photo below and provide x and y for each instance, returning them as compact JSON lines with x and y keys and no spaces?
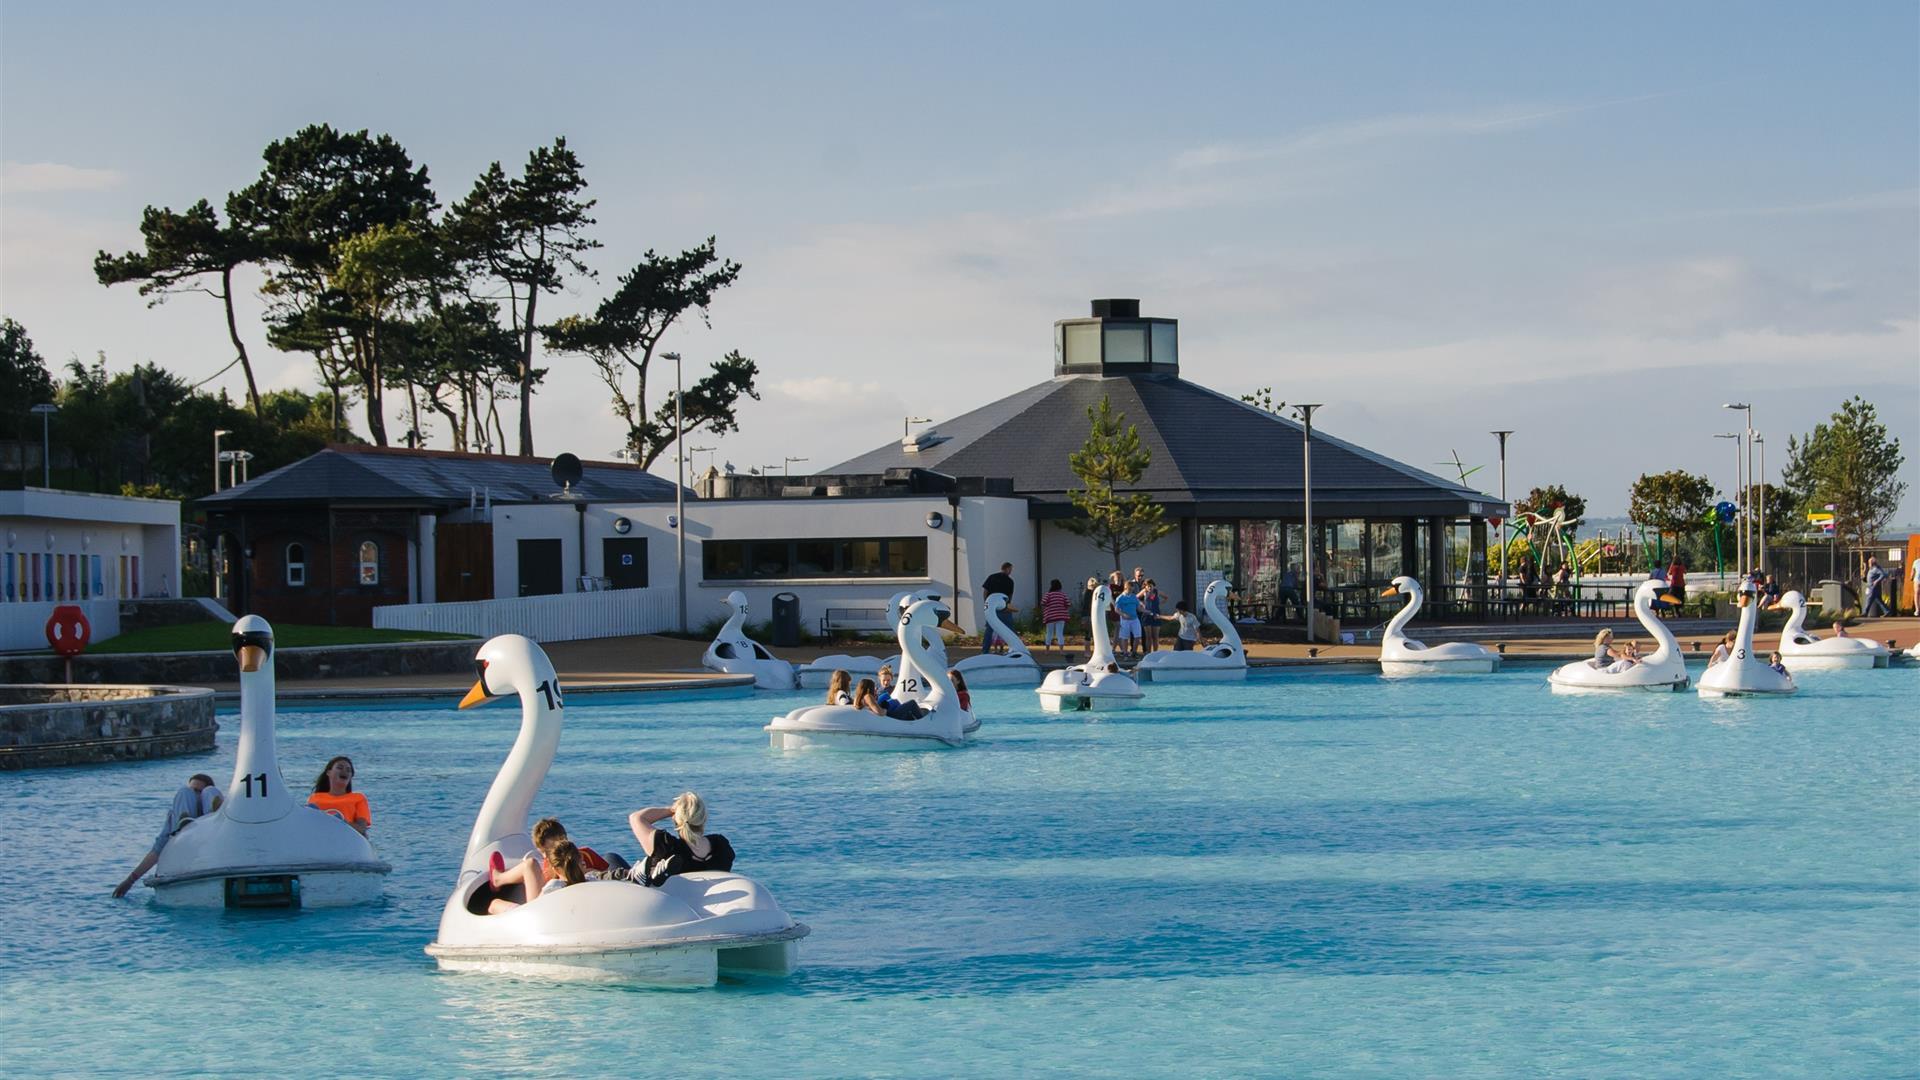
{"x":566,"y":471}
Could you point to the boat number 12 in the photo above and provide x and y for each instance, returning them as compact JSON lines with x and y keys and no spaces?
{"x":909,"y":686}
{"x":248,"y":781}
{"x":551,"y":690}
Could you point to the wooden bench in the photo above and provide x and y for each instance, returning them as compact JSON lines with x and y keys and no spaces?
{"x":864,"y":619}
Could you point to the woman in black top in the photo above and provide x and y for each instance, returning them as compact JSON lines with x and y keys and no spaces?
{"x":687,"y":848}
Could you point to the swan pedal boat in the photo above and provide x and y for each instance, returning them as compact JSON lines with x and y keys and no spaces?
{"x":1401,"y":656}
{"x":1664,"y":669}
{"x":816,"y":674}
{"x":262,"y":848}
{"x":1743,"y":674}
{"x":735,"y":653}
{"x":682,"y":933}
{"x":1800,"y":649}
{"x":1016,"y":667}
{"x":844,"y":727}
{"x":1224,"y":661}
{"x":1089,"y":686}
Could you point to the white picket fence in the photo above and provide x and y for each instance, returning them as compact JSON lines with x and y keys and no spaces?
{"x":563,"y":617}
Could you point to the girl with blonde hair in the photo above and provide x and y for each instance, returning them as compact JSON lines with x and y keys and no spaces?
{"x":687,"y":848}
{"x":840,"y":688}
{"x":1603,"y":648}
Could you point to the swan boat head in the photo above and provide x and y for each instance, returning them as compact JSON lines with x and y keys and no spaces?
{"x":515,"y":665}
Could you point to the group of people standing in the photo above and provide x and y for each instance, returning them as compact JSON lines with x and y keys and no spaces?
{"x":1136,"y":608}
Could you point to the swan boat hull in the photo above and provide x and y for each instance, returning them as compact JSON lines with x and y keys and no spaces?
{"x":1178,"y":667}
{"x":1064,"y":691}
{"x":1595,"y":681}
{"x":1001,"y":671}
{"x":306,"y":859}
{"x":273,"y":886}
{"x":843,"y":727}
{"x":1402,"y":669}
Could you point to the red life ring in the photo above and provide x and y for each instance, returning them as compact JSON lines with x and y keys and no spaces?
{"x":68,"y":631}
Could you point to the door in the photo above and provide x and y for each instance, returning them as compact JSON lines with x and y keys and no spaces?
{"x":625,"y":560}
{"x":540,"y":568}
{"x":463,"y":562}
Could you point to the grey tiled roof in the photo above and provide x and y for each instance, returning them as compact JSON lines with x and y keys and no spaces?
{"x":365,"y":474}
{"x":1207,"y":448}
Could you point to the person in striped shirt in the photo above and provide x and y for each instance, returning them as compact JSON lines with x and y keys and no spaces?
{"x":1055,"y":610}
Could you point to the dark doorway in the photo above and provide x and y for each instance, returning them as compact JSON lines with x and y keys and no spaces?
{"x":625,"y":560}
{"x":463,"y":562}
{"x":540,"y":567}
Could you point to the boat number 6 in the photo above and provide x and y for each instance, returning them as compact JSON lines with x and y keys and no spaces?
{"x":551,"y":690}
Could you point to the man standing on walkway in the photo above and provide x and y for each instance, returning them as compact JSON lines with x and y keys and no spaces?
{"x":1876,"y":581}
{"x":1001,"y":583}
{"x":1677,"y":578}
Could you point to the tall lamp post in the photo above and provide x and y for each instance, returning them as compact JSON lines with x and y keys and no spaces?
{"x":1305,"y":413}
{"x":1760,"y":492}
{"x":46,"y":443}
{"x":1739,"y":552}
{"x":217,"y":432}
{"x":906,"y":429}
{"x":1502,"y":537}
{"x":679,"y":489}
{"x":1747,"y":558}
{"x":789,"y":464}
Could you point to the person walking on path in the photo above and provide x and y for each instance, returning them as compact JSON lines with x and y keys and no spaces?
{"x":1001,"y":583}
{"x":1876,"y":606}
{"x":1055,"y":610}
{"x":1677,"y":579}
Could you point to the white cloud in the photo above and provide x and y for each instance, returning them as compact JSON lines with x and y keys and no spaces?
{"x":20,"y":178}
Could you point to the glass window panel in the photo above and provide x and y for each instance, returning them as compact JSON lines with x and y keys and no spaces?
{"x":1216,"y":546}
{"x":772,"y":558}
{"x":861,"y":557}
{"x":369,"y":563}
{"x":813,"y":558}
{"x":907,"y":557}
{"x":1126,"y":344}
{"x":296,"y":565}
{"x":725,"y":558}
{"x":1258,"y":575}
{"x":1347,"y":559}
{"x":1166,"y":343}
{"x":1388,"y":561}
{"x":1083,"y":343}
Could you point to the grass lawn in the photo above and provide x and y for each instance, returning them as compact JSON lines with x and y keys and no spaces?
{"x":203,"y":636}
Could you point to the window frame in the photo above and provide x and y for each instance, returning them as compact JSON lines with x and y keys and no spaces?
{"x":292,"y":564}
{"x":368,"y":575}
{"x":743,"y":552}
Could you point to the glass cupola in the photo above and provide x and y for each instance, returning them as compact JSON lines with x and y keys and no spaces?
{"x":1116,"y":341}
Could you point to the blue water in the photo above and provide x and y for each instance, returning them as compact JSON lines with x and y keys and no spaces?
{"x":1321,"y":873}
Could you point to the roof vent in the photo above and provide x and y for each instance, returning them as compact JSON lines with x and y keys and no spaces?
{"x":922,"y":440}
{"x":1116,"y":309}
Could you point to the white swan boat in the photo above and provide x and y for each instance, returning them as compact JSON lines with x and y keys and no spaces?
{"x":1663,"y":669}
{"x":818,"y":673}
{"x":735,"y":653}
{"x":1743,"y":674}
{"x":1015,"y":667}
{"x":1097,"y":684}
{"x":1225,"y":661}
{"x":681,"y":933}
{"x":264,"y":847}
{"x":1800,"y":649}
{"x":1401,"y":656}
{"x":844,"y":727}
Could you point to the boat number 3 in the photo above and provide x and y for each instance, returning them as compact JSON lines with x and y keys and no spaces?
{"x":551,"y":691}
{"x":248,"y":781}
{"x":1739,"y":654}
{"x":909,"y":686}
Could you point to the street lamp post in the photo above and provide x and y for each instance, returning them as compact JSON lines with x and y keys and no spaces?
{"x":679,"y":490}
{"x":1305,"y":412}
{"x":243,"y":456}
{"x":1502,"y":536}
{"x":906,"y":429}
{"x":1739,"y":552}
{"x":1747,"y":558}
{"x":217,"y":432}
{"x":788,"y":464}
{"x":46,"y":444}
{"x":1760,"y":492}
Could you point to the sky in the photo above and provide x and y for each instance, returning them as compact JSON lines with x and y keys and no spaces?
{"x":1592,"y":225}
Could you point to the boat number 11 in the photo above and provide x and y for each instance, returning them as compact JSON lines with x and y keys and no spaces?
{"x":247,"y":783}
{"x":551,"y":691}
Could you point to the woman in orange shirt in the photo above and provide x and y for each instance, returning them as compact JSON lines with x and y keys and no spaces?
{"x":333,"y":792}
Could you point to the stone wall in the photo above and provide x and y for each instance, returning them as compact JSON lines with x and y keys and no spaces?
{"x":202,"y":668}
{"x":44,"y":725}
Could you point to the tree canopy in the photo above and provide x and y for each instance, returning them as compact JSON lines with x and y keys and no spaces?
{"x":1112,"y":457}
{"x":1853,"y":464}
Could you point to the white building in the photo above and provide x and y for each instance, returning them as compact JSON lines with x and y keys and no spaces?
{"x":92,"y":551}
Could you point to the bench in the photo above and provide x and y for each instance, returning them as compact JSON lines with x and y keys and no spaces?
{"x":865,"y":618}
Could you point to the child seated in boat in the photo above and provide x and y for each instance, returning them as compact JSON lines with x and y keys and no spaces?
{"x":960,"y":690}
{"x":196,"y":799}
{"x":688,"y":848}
{"x":560,"y":868}
{"x":1724,"y":651}
{"x":1773,"y":661}
{"x":333,"y":792}
{"x":548,"y":831}
{"x":1624,"y":660}
{"x":1839,"y":629}
{"x":840,"y":688}
{"x":865,"y":696}
{"x":1602,"y":649}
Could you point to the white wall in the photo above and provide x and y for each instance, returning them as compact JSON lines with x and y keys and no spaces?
{"x":87,"y":525}
{"x":23,"y":627}
{"x":1073,"y":558}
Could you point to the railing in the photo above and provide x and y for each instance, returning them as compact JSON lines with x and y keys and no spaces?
{"x":562,"y":617}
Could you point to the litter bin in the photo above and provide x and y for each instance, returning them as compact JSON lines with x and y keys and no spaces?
{"x":1830,"y":597}
{"x":786,"y":620}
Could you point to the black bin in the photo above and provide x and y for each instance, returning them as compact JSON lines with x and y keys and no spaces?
{"x":786,"y":620}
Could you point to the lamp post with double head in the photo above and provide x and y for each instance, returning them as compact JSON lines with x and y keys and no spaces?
{"x":1305,"y":413}
{"x":1760,"y":493}
{"x":1501,"y":532}
{"x":46,"y":442}
{"x":1748,"y":558}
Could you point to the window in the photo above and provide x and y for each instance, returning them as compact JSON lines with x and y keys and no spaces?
{"x":296,"y":565}
{"x":815,"y":557}
{"x":369,"y":563}
{"x":1386,"y":551}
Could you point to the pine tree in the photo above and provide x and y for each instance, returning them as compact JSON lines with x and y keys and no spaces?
{"x":1852,"y":464}
{"x":1112,"y":456}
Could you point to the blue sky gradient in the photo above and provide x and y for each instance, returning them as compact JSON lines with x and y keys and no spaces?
{"x":1592,"y":225}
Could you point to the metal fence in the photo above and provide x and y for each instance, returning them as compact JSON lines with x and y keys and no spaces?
{"x":563,"y":617}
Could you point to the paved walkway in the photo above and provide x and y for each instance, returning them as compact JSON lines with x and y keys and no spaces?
{"x":651,"y":662}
